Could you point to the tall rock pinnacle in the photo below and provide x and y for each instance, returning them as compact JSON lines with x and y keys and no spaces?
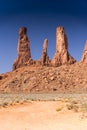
{"x":44,"y":58}
{"x":84,"y":55}
{"x":23,"y":49}
{"x":62,"y":55}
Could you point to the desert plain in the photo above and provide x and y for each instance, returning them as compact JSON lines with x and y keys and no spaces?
{"x":47,"y":112}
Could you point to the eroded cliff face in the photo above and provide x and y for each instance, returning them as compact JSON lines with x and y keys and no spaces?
{"x":24,"y":54}
{"x":62,"y":55}
{"x":84,"y":55}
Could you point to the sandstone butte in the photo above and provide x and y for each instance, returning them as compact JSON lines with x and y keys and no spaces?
{"x":61,"y":74}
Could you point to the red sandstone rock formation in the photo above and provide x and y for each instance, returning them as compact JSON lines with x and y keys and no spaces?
{"x":62,"y":55}
{"x":84,"y":55}
{"x":44,"y":58}
{"x":23,"y":49}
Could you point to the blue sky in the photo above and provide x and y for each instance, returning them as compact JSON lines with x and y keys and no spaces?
{"x":41,"y":17}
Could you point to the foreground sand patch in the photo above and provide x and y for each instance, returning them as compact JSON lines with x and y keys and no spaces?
{"x":40,"y":115}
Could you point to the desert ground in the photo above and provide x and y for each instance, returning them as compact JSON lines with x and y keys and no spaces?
{"x":61,"y":112}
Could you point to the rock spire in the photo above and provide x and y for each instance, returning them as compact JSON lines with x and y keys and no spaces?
{"x":24,"y":54}
{"x":44,"y":58}
{"x":62,"y":55}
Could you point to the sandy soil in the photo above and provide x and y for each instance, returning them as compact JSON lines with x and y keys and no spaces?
{"x":40,"y":115}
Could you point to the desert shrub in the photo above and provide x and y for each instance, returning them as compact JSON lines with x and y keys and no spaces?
{"x":59,"y":109}
{"x":69,"y":106}
{"x":84,"y":107}
{"x":72,"y":107}
{"x":74,"y":102}
{"x":4,"y":104}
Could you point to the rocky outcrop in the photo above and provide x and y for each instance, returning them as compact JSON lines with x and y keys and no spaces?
{"x":63,"y":79}
{"x":84,"y":55}
{"x":24,"y":54}
{"x":62,"y":55}
{"x":45,"y":58}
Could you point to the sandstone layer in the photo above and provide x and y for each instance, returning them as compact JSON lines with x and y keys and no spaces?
{"x":62,"y":55}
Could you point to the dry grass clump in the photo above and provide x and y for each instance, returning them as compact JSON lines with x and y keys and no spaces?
{"x":84,"y":110}
{"x":59,"y":109}
{"x":73,"y":107}
{"x":69,"y":104}
{"x":4,"y":104}
{"x":84,"y":107}
{"x":13,"y":102}
{"x":65,"y":100}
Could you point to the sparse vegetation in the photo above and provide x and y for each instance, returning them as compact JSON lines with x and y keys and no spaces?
{"x":69,"y":106}
{"x":59,"y":109}
{"x":72,"y":107}
{"x":76,"y":104}
{"x":66,"y":100}
{"x":84,"y":107}
{"x":11,"y":103}
{"x":4,"y":104}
